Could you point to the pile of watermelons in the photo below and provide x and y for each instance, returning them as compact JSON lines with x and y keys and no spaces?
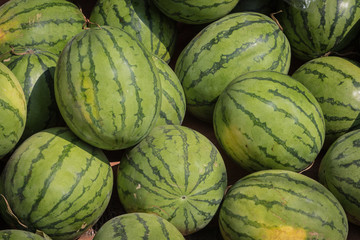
{"x":178,"y":119}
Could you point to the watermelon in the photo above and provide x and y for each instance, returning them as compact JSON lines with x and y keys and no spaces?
{"x":176,"y":173}
{"x":12,"y":110}
{"x":225,"y":49}
{"x":34,"y":68}
{"x":335,"y":83}
{"x":14,"y":234}
{"x":107,"y":88}
{"x":317,"y":27}
{"x":173,"y":103}
{"x":281,"y":204}
{"x":141,"y":19}
{"x":57,"y":184}
{"x":138,"y":226}
{"x":195,"y":12}
{"x":339,"y":172}
{"x":40,"y":24}
{"x":268,"y":120}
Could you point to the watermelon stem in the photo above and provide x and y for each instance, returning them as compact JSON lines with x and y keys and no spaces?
{"x":275,"y":19}
{"x":87,"y":22}
{"x":28,"y":51}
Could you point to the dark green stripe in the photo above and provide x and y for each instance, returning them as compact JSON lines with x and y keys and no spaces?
{"x":119,"y":228}
{"x":163,"y":227}
{"x":225,"y":226}
{"x":185,"y":149}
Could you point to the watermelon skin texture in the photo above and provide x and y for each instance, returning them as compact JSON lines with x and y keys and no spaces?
{"x":176,"y":173}
{"x":107,"y":88}
{"x":56,"y":183}
{"x":281,"y":204}
{"x":335,"y":83}
{"x":141,"y":19}
{"x":339,"y":172}
{"x":14,"y":234}
{"x":173,"y":103}
{"x":34,"y":68}
{"x":195,"y":12}
{"x":268,"y":120}
{"x":40,"y":24}
{"x":235,"y":44}
{"x":12,"y":110}
{"x":317,"y":27}
{"x":138,"y":226}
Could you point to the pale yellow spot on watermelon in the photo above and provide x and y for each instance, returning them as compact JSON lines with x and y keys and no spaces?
{"x":285,"y":233}
{"x":34,"y":19}
{"x":89,"y":98}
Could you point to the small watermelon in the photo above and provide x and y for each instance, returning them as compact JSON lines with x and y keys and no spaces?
{"x":281,"y":204}
{"x":138,"y":226}
{"x":176,"y":173}
{"x":268,"y":120}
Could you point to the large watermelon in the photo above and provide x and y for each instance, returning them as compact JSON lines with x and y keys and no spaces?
{"x":316,"y":27}
{"x":281,"y":204}
{"x":12,"y":110}
{"x":335,"y":83}
{"x":141,"y":19}
{"x":339,"y":172}
{"x":107,"y":88}
{"x":176,"y":173}
{"x":225,"y":49}
{"x":34,"y":68}
{"x":38,"y":23}
{"x":266,"y":119}
{"x":138,"y":226}
{"x":56,"y":183}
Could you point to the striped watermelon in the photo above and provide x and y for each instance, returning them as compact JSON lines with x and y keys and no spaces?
{"x":225,"y":49}
{"x":268,"y":120}
{"x":339,"y":172}
{"x":335,"y":82}
{"x":14,"y":234}
{"x":281,"y":204}
{"x":107,"y":88}
{"x":317,"y":27}
{"x":173,"y":103}
{"x":40,"y":24}
{"x":12,"y":110}
{"x":195,"y":12}
{"x":141,"y":19}
{"x":176,"y":173}
{"x":138,"y":226}
{"x":56,"y":183}
{"x":34,"y":68}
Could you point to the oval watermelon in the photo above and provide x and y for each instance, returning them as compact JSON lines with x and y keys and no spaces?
{"x":107,"y":88}
{"x":268,"y":120}
{"x":14,"y":234}
{"x":141,"y":19}
{"x":41,"y":24}
{"x":225,"y":49}
{"x":176,"y":173}
{"x":56,"y":183}
{"x":138,"y":226}
{"x":281,"y":204}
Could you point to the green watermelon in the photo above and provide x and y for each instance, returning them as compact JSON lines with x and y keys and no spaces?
{"x":339,"y":172}
{"x":173,"y":105}
{"x":57,"y":184}
{"x":335,"y":83}
{"x":317,"y":27}
{"x":195,"y":12}
{"x":12,"y":110}
{"x":40,"y":24}
{"x":14,"y":234}
{"x":225,"y":49}
{"x":138,"y":226}
{"x":176,"y":173}
{"x":107,"y":88}
{"x":268,"y":120}
{"x":141,"y":19}
{"x":281,"y":204}
{"x":34,"y":68}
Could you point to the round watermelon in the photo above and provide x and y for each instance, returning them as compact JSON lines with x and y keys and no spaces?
{"x":138,"y":226}
{"x":268,"y":120}
{"x":57,"y":184}
{"x":107,"y":88}
{"x":235,"y":44}
{"x":281,"y":204}
{"x":176,"y":173}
